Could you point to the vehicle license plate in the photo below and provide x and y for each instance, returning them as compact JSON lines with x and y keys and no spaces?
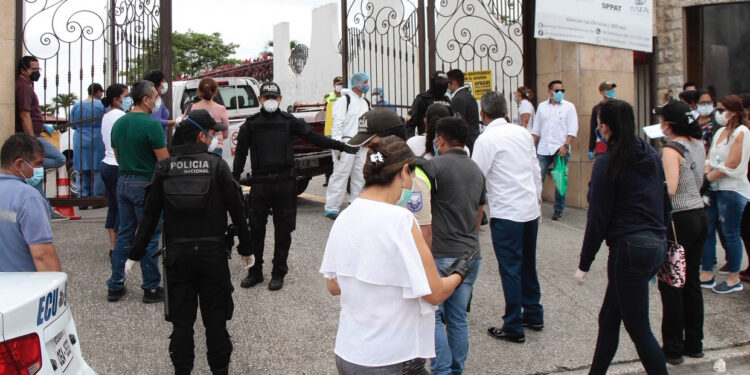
{"x":63,"y":350}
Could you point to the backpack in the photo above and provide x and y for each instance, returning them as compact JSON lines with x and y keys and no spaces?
{"x":349,"y":101}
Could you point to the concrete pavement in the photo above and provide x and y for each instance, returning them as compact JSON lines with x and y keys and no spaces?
{"x":292,"y":331}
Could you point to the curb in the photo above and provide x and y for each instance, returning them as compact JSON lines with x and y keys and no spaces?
{"x":733,"y":356}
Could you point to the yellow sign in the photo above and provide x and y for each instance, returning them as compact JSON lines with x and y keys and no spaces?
{"x":480,"y":82}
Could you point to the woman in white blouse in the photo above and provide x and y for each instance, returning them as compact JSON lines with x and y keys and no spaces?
{"x":116,"y":101}
{"x":523,"y":97}
{"x":378,"y":262}
{"x":726,"y":175}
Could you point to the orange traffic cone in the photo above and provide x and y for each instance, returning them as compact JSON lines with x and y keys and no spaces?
{"x":63,"y":191}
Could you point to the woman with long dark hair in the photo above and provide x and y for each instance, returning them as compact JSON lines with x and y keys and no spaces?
{"x":684,"y":158}
{"x":726,"y":175}
{"x":118,"y":100}
{"x":628,"y":208}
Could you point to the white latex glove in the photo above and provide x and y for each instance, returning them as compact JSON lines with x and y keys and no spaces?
{"x":129,"y":264}
{"x":248,"y":261}
{"x":178,"y":119}
{"x":580,"y":276}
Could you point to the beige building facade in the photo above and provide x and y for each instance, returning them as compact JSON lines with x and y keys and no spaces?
{"x":7,"y":69}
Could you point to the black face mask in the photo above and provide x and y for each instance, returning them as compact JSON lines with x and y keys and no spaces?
{"x":34,"y":76}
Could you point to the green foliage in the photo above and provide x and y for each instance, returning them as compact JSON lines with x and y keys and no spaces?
{"x":65,"y":101}
{"x":192,"y":53}
{"x":195,"y":52}
{"x":268,"y":48}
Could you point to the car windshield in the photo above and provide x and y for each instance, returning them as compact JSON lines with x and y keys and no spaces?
{"x":232,"y":97}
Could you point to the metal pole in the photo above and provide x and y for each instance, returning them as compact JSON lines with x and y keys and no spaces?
{"x":113,"y":66}
{"x":424,"y":46}
{"x":529,"y":45}
{"x":344,"y":42}
{"x":165,"y":51}
{"x":19,"y":32}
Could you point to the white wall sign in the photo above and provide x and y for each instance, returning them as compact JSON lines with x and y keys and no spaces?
{"x":615,"y":23}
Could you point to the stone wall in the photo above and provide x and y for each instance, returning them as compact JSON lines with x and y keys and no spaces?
{"x":7,"y":69}
{"x":669,"y":30}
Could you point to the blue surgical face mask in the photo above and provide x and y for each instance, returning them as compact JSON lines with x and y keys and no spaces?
{"x":127,"y":103}
{"x":435,"y":148}
{"x":365,"y":88}
{"x":36,"y":178}
{"x":558,"y":96}
{"x":610,"y":94}
{"x":405,"y":195}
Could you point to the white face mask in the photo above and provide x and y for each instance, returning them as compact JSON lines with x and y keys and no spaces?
{"x":164,"y":89}
{"x":157,"y":107}
{"x":271,"y":105}
{"x":721,"y":118}
{"x":337,"y":88}
{"x":214,"y":144}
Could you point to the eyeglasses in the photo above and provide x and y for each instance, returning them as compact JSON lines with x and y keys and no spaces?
{"x":559,"y":90}
{"x":720,"y":110}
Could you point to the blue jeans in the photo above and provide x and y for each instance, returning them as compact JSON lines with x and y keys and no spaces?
{"x":53,"y":158}
{"x":633,"y":261}
{"x":544,"y":162}
{"x":515,"y":249}
{"x":725,"y":212}
{"x":452,"y":341}
{"x":83,"y":179}
{"x":131,"y":191}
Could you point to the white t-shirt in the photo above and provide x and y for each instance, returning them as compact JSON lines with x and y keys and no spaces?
{"x":526,"y":107}
{"x":416,"y":144}
{"x":108,"y":120}
{"x":372,"y":255}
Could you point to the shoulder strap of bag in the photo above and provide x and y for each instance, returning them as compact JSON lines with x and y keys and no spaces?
{"x":678,"y":147}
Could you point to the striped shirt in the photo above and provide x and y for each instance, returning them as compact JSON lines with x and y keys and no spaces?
{"x":687,"y":196}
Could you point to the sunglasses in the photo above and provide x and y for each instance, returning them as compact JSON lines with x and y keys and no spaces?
{"x":559,"y":90}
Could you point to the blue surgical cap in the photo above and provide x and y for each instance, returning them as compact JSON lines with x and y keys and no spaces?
{"x":357,"y":79}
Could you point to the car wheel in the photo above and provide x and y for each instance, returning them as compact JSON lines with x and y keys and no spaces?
{"x":302,"y":182}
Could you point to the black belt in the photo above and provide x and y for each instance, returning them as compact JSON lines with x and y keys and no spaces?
{"x":274,"y":177}
{"x":196,"y":239}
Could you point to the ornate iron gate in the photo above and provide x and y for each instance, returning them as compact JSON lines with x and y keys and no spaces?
{"x":401,"y":42}
{"x":79,"y":43}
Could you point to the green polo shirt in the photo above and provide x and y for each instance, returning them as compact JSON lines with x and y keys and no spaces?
{"x":135,"y":136}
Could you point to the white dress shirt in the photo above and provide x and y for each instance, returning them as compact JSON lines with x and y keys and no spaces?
{"x":345,"y":122}
{"x":553,"y":123}
{"x":506,"y":155}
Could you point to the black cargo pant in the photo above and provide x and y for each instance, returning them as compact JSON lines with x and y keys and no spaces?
{"x":198,"y":271}
{"x":281,"y":197}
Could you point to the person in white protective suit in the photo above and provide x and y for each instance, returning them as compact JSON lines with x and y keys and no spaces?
{"x":346,"y":167}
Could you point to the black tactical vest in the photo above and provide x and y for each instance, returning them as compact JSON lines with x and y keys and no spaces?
{"x":187,"y":185}
{"x":271,"y":150}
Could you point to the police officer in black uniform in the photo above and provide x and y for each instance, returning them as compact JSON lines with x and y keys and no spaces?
{"x":195,"y":189}
{"x":268,"y":136}
{"x":437,"y":93}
